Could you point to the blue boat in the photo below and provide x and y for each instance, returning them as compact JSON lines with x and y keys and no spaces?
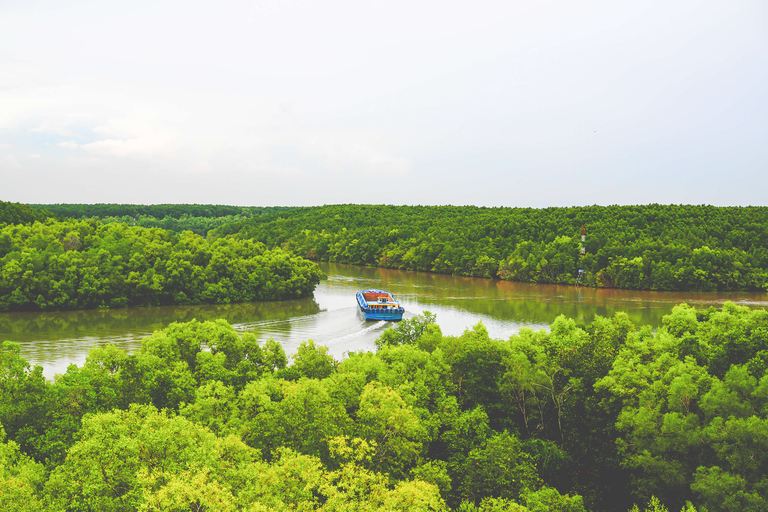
{"x":379,"y":305}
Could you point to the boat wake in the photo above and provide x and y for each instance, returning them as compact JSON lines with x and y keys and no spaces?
{"x":267,"y":323}
{"x":378,"y":326}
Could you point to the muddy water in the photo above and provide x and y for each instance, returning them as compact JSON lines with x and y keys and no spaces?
{"x":55,"y":340}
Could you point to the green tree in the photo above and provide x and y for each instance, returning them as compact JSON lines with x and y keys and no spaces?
{"x":384,"y":419}
{"x":500,"y":469}
{"x":125,"y":456}
{"x":274,"y":414}
{"x":312,"y":361}
{"x":20,"y":478}
{"x":22,"y":389}
{"x":407,"y":331}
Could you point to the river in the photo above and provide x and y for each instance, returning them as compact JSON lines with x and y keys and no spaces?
{"x":57,"y":339}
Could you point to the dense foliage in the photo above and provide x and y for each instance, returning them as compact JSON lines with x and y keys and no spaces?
{"x":653,"y":247}
{"x":198,"y":218}
{"x":17,"y":213}
{"x":569,"y":419}
{"x":88,"y":264}
{"x":158,"y":211}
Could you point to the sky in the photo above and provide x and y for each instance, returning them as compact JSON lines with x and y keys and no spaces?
{"x":293,"y":102}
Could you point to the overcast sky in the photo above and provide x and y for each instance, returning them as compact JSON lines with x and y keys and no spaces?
{"x":508,"y":103}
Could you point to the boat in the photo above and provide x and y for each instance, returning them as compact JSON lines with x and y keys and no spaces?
{"x":379,"y":305}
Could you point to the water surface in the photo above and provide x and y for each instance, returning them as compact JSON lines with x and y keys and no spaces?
{"x":55,"y":340}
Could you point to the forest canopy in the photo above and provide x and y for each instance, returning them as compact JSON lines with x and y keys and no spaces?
{"x":17,"y":213}
{"x":597,"y":417}
{"x":198,"y":218}
{"x":654,"y":247}
{"x":176,"y":211}
{"x":601,"y":417}
{"x":81,"y":264}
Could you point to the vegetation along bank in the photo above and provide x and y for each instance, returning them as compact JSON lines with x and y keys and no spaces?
{"x":572,"y":419}
{"x":653,"y":247}
{"x":81,"y":264}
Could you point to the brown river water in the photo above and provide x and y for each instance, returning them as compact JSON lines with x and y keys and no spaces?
{"x":57,"y":339}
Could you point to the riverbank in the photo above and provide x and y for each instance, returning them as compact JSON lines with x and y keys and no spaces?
{"x":56,"y":339}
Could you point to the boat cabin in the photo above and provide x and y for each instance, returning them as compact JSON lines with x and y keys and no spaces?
{"x":377,"y":300}
{"x":379,"y":305}
{"x":376,"y":297}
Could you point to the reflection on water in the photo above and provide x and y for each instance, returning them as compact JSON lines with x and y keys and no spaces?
{"x":68,"y":324}
{"x":56,"y":339}
{"x":330,"y":318}
{"x":533,"y":304}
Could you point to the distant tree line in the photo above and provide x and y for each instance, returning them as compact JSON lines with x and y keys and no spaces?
{"x":198,"y":218}
{"x":159,"y":211}
{"x":18,"y":213}
{"x":569,"y":419}
{"x":198,"y":225}
{"x":81,"y":264}
{"x":654,"y":247}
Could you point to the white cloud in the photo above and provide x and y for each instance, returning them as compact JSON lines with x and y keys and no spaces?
{"x":69,"y":144}
{"x":53,"y":127}
{"x":144,"y":143}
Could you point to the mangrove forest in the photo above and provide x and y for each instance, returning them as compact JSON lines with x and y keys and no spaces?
{"x":603,"y":417}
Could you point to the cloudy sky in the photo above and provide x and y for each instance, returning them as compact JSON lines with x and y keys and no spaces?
{"x":294,"y":102}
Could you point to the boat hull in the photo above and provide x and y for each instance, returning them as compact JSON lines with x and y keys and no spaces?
{"x":379,"y":305}
{"x":383,"y":316}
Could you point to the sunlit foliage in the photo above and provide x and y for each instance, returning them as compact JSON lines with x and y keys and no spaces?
{"x":655,"y":247}
{"x":87,"y":264}
{"x":601,"y":417}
